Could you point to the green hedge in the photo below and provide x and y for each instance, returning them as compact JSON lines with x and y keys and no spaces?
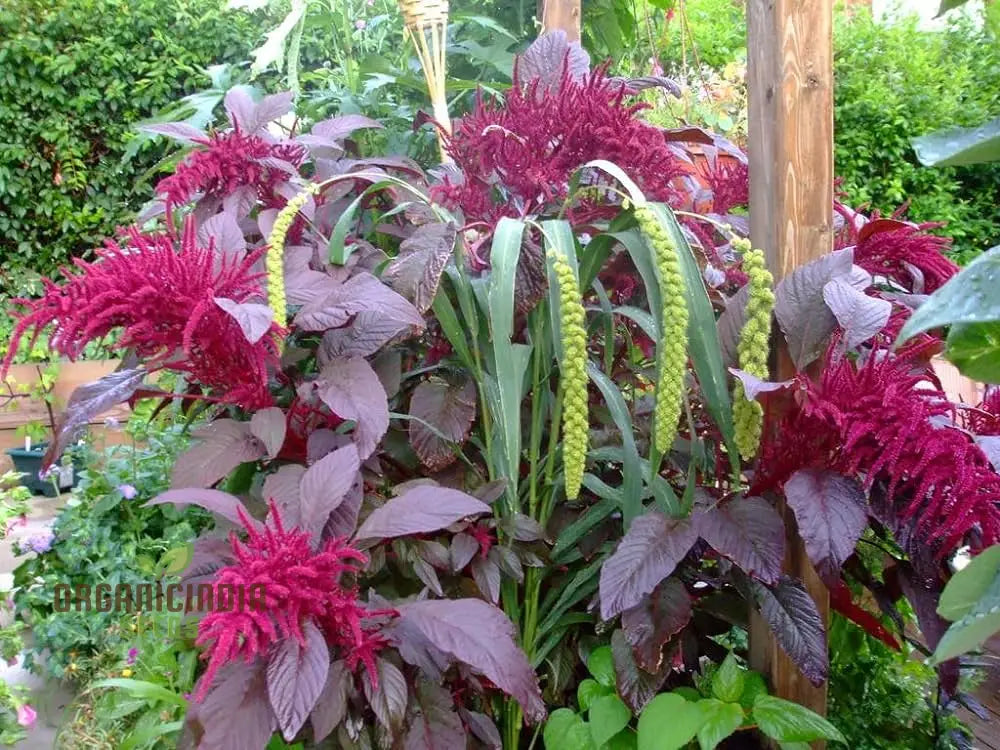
{"x":74,"y":76}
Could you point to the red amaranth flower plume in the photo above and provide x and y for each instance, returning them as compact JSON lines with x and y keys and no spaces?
{"x":876,"y":420}
{"x":299,"y":585}
{"x":886,"y":253}
{"x":163,"y":299}
{"x":985,"y":418}
{"x":517,"y":157}
{"x":231,"y":160}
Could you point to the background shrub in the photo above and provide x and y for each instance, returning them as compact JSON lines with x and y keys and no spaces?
{"x":74,"y":76}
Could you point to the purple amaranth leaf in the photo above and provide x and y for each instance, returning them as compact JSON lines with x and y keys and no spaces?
{"x":443,"y":415}
{"x":224,"y":232}
{"x":208,"y":554}
{"x":482,"y":727}
{"x":322,"y":442}
{"x":416,"y":270}
{"x":87,"y":402}
{"x":283,"y":488}
{"x":474,"y":633}
{"x":369,"y":331}
{"x":658,"y":618}
{"x":236,"y":713}
{"x":389,"y":699}
{"x":831,"y":513}
{"x":179,"y":131}
{"x":754,"y":386}
{"x":240,"y":109}
{"x":296,"y":675}
{"x":421,"y":510}
{"x":359,"y":294}
{"x":268,"y":426}
{"x":324,"y":486}
{"x":434,"y":553}
{"x":339,"y":128}
{"x":648,"y":553}
{"x":351,"y":389}
{"x":220,"y":503}
{"x":389,"y":368}
{"x":636,"y":686}
{"x":254,"y":319}
{"x":220,"y":447}
{"x":859,"y":315}
{"x":463,"y":548}
{"x":546,"y":59}
{"x":796,"y":623}
{"x":486,"y":574}
{"x":433,"y":723}
{"x":427,"y":575}
{"x":343,"y":520}
{"x":748,"y":531}
{"x":802,"y":313}
{"x":331,"y":706}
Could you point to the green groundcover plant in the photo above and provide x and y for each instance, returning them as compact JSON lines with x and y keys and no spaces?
{"x":469,"y":430}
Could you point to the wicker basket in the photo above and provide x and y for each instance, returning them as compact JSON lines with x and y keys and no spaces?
{"x":427,"y":25}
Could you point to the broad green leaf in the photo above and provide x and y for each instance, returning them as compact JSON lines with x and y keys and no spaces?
{"x":947,"y":5}
{"x":753,"y":685}
{"x":601,"y":665}
{"x":624,"y":740}
{"x":593,"y":516}
{"x":721,"y":719}
{"x":634,"y":193}
{"x":982,"y":619}
{"x":566,"y":731}
{"x":142,"y":689}
{"x":608,"y":716}
{"x":583,"y":583}
{"x":631,"y":488}
{"x":688,"y":693}
{"x":968,"y":586}
{"x":669,"y":722}
{"x":974,"y":348}
{"x":785,"y":721}
{"x":959,"y":146}
{"x":728,"y":680}
{"x":446,"y":316}
{"x":969,"y":297}
{"x":588,"y":691}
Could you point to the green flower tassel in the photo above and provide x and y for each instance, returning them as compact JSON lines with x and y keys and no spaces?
{"x":753,"y":349}
{"x":673,"y":349}
{"x":575,"y":421}
{"x":276,"y":252}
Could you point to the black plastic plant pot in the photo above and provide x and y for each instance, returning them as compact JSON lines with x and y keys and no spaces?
{"x":29,"y":464}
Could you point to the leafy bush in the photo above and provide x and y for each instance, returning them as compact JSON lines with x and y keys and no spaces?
{"x":894,"y":82}
{"x":74,"y":75}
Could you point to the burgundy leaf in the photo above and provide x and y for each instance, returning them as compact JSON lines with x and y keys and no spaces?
{"x":859,"y":315}
{"x":548,"y":56}
{"x":463,"y":548}
{"x":796,"y":623}
{"x":236,"y":714}
{"x":510,"y":564}
{"x":296,"y":675}
{"x":351,"y":389}
{"x":749,"y":532}
{"x":660,"y":616}
{"x":221,"y":446}
{"x":754,"y":386}
{"x":389,"y":368}
{"x":648,"y":553}
{"x":421,"y":510}
{"x":434,"y":725}
{"x":220,"y":503}
{"x":434,"y":553}
{"x":87,"y":402}
{"x":283,"y":487}
{"x":224,"y":232}
{"x":802,"y":313}
{"x":482,"y":727}
{"x":343,"y":520}
{"x":832,"y":513}
{"x":526,"y":529}
{"x":208,"y":554}
{"x":322,"y":442}
{"x":268,"y":426}
{"x":416,"y":270}
{"x":440,"y":409}
{"x":636,"y":686}
{"x":368,"y":332}
{"x":254,"y":319}
{"x":388,"y":700}
{"x":325,"y":485}
{"x":486,"y":574}
{"x":479,"y":635}
{"x":338,"y":128}
{"x":331,"y":706}
{"x":359,"y":294}
{"x":427,"y":575}
{"x":240,"y":108}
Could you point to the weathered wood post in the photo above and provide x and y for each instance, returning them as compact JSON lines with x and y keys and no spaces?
{"x":561,"y":14}
{"x":790,"y":78}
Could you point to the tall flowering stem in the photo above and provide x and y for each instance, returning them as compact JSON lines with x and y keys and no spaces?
{"x":276,"y":253}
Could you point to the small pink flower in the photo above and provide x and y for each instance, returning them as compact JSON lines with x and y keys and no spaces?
{"x":360,"y":24}
{"x":132,"y":654}
{"x":128,"y":491}
{"x":26,"y":715}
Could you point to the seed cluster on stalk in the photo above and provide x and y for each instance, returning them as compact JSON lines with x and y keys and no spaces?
{"x":276,"y":251}
{"x":753,"y":348}
{"x":674,"y":323}
{"x":573,"y":375}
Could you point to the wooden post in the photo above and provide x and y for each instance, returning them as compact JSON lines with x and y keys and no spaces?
{"x":790,"y":79}
{"x":561,"y":14}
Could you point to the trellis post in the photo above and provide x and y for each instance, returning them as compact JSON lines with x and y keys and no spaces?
{"x":790,"y":79}
{"x":561,"y":14}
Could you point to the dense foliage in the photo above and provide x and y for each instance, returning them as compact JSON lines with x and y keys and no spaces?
{"x":75,"y":76}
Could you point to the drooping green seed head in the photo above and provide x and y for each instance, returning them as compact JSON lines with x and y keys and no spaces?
{"x":753,"y":350}
{"x":276,"y":251}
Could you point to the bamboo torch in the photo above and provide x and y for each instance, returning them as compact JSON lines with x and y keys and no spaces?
{"x":426,"y":23}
